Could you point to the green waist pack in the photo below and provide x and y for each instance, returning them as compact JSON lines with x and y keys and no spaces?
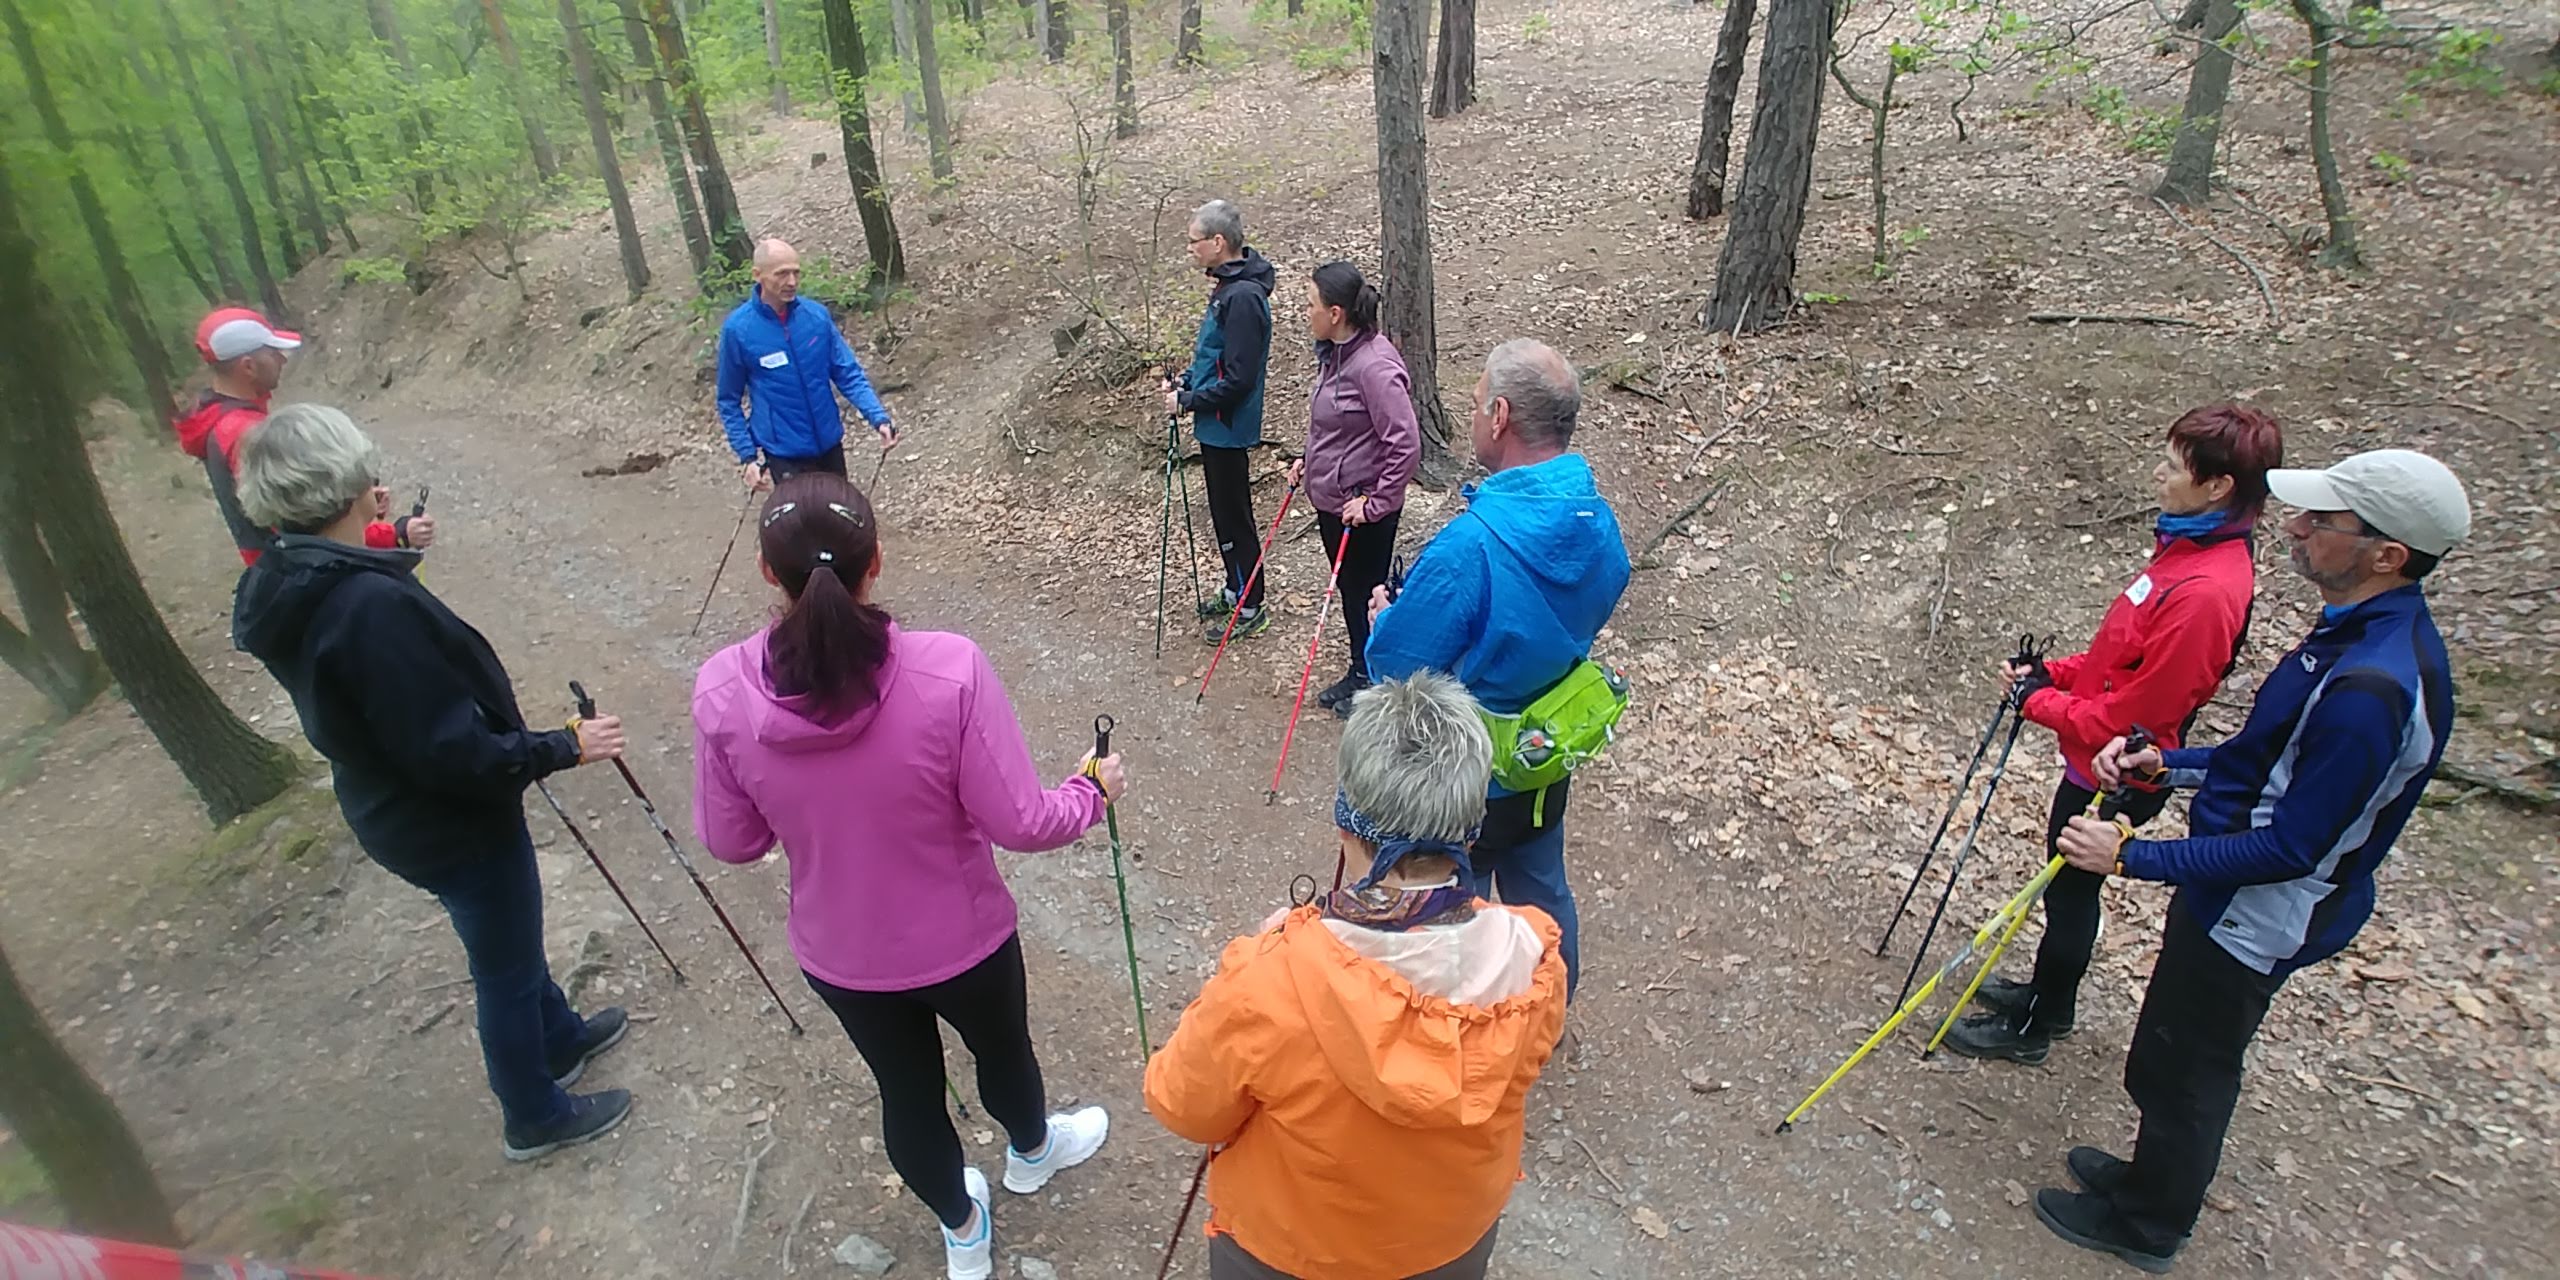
{"x":1568,"y":724}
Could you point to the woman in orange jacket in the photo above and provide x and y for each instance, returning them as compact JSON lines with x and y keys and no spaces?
{"x":1377,"y":1046}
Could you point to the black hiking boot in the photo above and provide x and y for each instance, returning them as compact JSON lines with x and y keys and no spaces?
{"x":1336,"y":697}
{"x":2096,"y":1171}
{"x":591,"y":1116}
{"x":2091,"y":1222}
{"x":605,"y":1029}
{"x":2017,"y":999}
{"x":1999,"y":1035}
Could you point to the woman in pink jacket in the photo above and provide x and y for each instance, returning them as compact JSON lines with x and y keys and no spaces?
{"x":888,"y":764}
{"x":1363,"y":443}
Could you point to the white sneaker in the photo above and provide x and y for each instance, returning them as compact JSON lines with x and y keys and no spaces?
{"x":975,"y":1257}
{"x":1073,"y":1138}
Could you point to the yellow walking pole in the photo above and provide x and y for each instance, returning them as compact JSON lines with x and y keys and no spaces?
{"x":2005,"y":917}
{"x":2016,"y":918}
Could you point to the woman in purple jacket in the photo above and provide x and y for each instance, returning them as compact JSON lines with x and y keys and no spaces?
{"x":1362,"y":445}
{"x":888,"y":764}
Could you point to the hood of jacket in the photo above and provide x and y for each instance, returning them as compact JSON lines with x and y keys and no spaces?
{"x":792,"y":723}
{"x":272,"y":608}
{"x":1252,"y":268}
{"x":196,"y":429}
{"x":1548,"y":521}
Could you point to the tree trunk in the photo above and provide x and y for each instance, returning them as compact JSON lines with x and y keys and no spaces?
{"x":773,"y":58}
{"x":1124,"y":70}
{"x":582,"y":66}
{"x":232,"y":768}
{"x":1186,"y":41}
{"x":1453,"y":78}
{"x":253,"y":106}
{"x":2341,"y":253}
{"x":309,"y":131}
{"x":2190,"y":177}
{"x":974,"y":12}
{"x":537,"y":138}
{"x":252,"y":245}
{"x":1755,"y":275}
{"x":2193,"y":16}
{"x":124,"y":296}
{"x":653,"y":87}
{"x":861,"y":162}
{"x":1402,"y":48}
{"x":129,"y":149}
{"x":72,"y":1128}
{"x":47,"y":653}
{"x":937,"y":119}
{"x":1880,"y":109}
{"x":193,"y":187}
{"x":902,"y":48}
{"x":730,"y":248}
{"x":385,"y":22}
{"x":1035,"y":17}
{"x":1054,"y":33}
{"x":1715,"y":124}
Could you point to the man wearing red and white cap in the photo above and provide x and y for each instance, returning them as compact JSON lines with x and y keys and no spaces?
{"x":248,"y":357}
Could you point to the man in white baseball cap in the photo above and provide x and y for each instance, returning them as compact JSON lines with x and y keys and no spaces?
{"x":2291,"y":817}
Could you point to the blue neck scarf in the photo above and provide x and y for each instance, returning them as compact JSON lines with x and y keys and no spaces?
{"x":2201,"y":524}
{"x":1396,"y":846}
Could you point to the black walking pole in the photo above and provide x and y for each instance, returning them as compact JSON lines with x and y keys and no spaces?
{"x":714,"y":589}
{"x":1973,"y":830}
{"x":2026,"y":650}
{"x":587,"y":708}
{"x":610,"y":882}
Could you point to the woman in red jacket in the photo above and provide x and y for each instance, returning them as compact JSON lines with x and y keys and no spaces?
{"x":2163,"y":648}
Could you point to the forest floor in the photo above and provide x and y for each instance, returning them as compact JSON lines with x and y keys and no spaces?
{"x":1906,"y":478}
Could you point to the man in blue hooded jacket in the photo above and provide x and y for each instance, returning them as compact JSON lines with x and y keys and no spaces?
{"x":1508,"y":597}
{"x":784,"y":355}
{"x":1222,"y":391}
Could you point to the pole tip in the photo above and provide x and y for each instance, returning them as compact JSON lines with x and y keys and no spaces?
{"x":1271,"y":797}
{"x":680,"y":978}
{"x":1927,"y":1054}
{"x":798,"y":1030}
{"x":1783,"y":1127}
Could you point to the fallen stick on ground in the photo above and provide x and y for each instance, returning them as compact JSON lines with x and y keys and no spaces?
{"x":2106,"y":317}
{"x":794,"y":1229}
{"x":746,"y":1194}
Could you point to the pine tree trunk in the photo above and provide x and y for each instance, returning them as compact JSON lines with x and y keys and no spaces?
{"x":124,"y":296}
{"x":653,"y":87}
{"x":730,"y":248}
{"x":1755,"y":275}
{"x":546,"y":163}
{"x":307,"y":131}
{"x":773,"y":58}
{"x":47,"y":653}
{"x":1055,"y":34}
{"x":1453,"y":78}
{"x":1401,"y":32}
{"x":253,"y":106}
{"x":626,"y":226}
{"x":72,"y":1128}
{"x":861,"y":160}
{"x":937,"y":117}
{"x":1186,"y":41}
{"x":232,"y":768}
{"x":2341,"y":252}
{"x":385,"y":21}
{"x":1124,"y":71}
{"x":1715,"y":123}
{"x":2189,"y":180}
{"x":188,"y":183}
{"x":252,"y":244}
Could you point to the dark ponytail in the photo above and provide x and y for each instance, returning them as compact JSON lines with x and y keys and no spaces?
{"x":1339,"y":284}
{"x":818,"y":536}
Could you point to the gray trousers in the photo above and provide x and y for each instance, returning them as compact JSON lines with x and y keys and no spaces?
{"x":1229,"y":1261}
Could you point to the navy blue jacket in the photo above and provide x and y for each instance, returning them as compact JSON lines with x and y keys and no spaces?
{"x":2296,"y":811}
{"x":791,"y":371}
{"x":1223,"y":386}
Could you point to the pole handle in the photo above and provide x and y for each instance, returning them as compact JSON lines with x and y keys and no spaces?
{"x":419,"y":508}
{"x":1102,"y":726}
{"x":586,"y":704}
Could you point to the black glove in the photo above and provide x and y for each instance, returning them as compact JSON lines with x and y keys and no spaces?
{"x":2036,"y":678}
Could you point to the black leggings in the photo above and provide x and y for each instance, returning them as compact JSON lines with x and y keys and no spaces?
{"x":2071,"y":906}
{"x":896,"y":1034}
{"x":1228,"y":476}
{"x":1373,"y":551}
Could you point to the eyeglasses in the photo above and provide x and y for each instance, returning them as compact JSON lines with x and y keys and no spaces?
{"x":1202,"y":239}
{"x":2321,"y":520}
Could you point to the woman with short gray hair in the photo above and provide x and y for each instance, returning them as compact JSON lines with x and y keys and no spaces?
{"x":428,"y":751}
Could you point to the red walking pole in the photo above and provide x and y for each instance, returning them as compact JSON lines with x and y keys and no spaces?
{"x":1236,"y":610}
{"x":1313,"y":642}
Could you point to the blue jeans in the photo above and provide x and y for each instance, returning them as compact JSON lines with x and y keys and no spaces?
{"x":1523,"y":864}
{"x":526,"y":1024}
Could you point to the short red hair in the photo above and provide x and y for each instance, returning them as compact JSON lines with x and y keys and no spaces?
{"x":2231,"y":440}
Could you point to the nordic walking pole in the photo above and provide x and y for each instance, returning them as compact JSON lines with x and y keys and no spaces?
{"x":2004,"y":918}
{"x":581,"y":838}
{"x":1237,"y":610}
{"x":1165,"y":1268}
{"x":1102,"y":726}
{"x":2022,"y":907}
{"x":1164,"y":526}
{"x":1323,"y":607}
{"x":587,"y":708}
{"x":714,"y":589}
{"x":2026,"y":651}
{"x":1955,"y":870}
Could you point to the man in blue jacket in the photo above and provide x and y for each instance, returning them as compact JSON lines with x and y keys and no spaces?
{"x":784,"y":355}
{"x":1508,"y":596}
{"x":2291,"y":817}
{"x":1222,"y":391}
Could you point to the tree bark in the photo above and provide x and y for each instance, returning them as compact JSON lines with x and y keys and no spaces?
{"x":188,"y":182}
{"x":232,"y":768}
{"x":626,"y":226}
{"x":1715,"y":123}
{"x":47,"y":653}
{"x":124,"y":296}
{"x":2341,"y":252}
{"x":1755,"y":275}
{"x":546,"y":163}
{"x":861,"y":161}
{"x":252,"y":244}
{"x":1124,"y":70}
{"x":1401,"y":38}
{"x":773,"y":58}
{"x":937,"y":119}
{"x":974,"y":12}
{"x":1054,"y":34}
{"x":2189,"y":180}
{"x":730,"y":248}
{"x":1453,"y":77}
{"x":653,"y":88}
{"x":72,"y":1128}
{"x":1186,"y":40}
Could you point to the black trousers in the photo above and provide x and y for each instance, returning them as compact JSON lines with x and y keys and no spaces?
{"x":1229,"y":1261}
{"x":2183,"y":1073}
{"x":1228,"y":475}
{"x":2071,"y":907}
{"x":895,"y":1033}
{"x":831,"y":462}
{"x":1364,"y":566}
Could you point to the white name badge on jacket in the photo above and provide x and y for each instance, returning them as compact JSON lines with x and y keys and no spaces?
{"x":2140,"y":590}
{"x":774,"y":361}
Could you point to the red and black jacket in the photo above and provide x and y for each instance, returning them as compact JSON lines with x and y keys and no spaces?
{"x":211,"y":433}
